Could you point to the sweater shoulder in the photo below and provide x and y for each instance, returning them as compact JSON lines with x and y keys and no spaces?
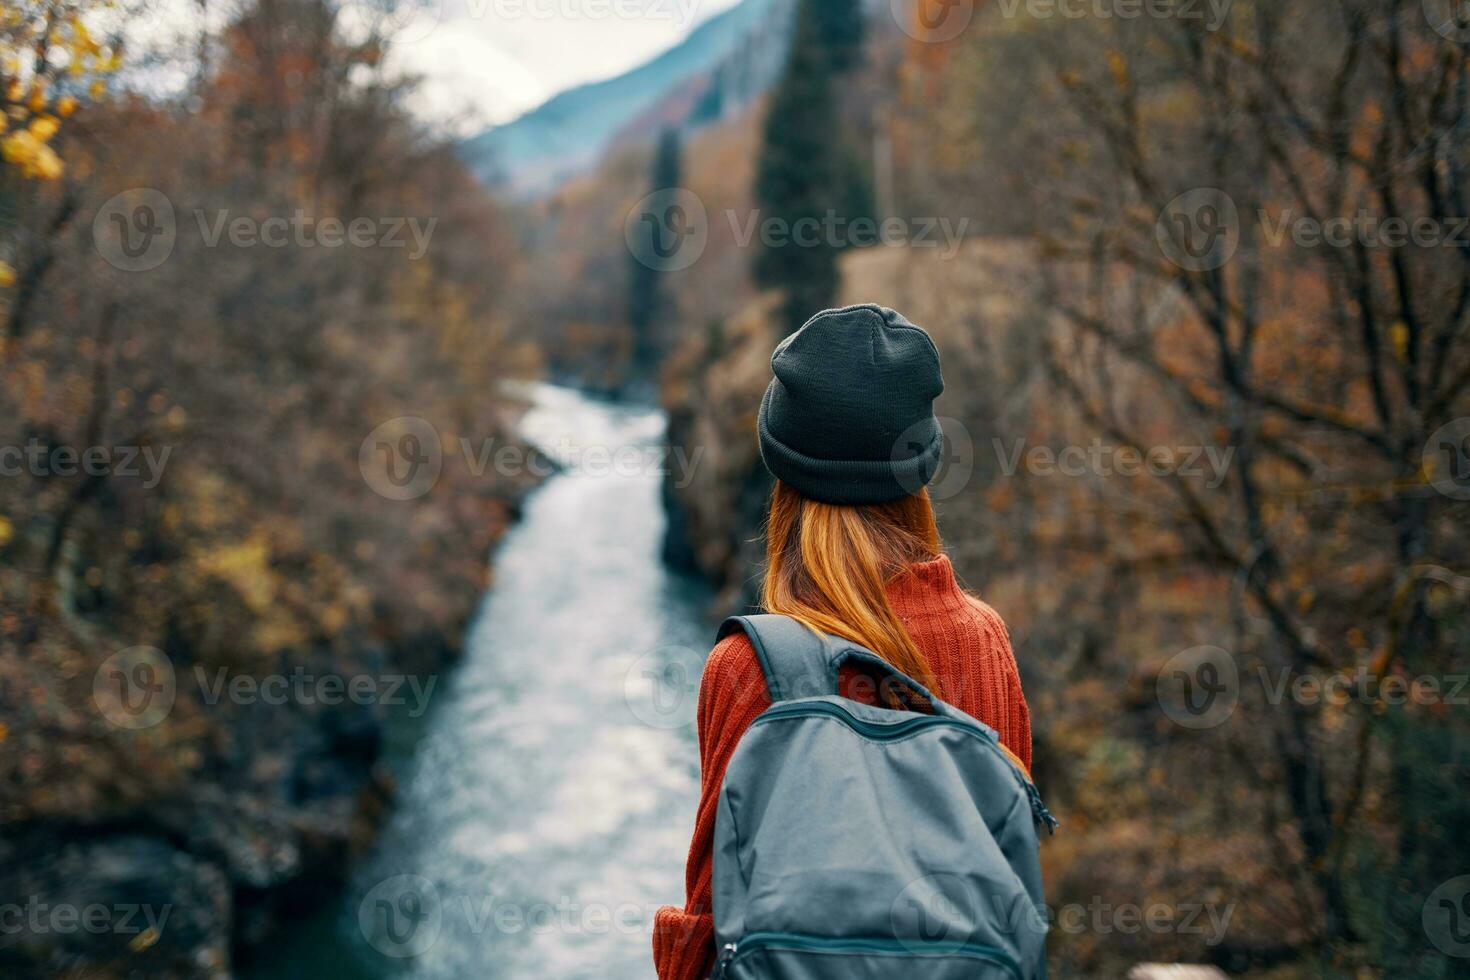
{"x":984,"y":614}
{"x":732,"y":664}
{"x":732,"y":690}
{"x":990,"y":631}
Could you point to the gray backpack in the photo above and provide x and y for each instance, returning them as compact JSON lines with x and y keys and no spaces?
{"x":855,"y":842}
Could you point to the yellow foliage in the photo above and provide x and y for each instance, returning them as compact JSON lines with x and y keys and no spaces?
{"x":7,"y":279}
{"x":43,"y":41}
{"x":33,"y":158}
{"x":44,"y":127}
{"x":143,"y":940}
{"x":1118,"y":66}
{"x":1398,"y":335}
{"x":245,"y":566}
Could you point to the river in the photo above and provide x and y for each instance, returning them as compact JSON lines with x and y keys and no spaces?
{"x":545,"y":808}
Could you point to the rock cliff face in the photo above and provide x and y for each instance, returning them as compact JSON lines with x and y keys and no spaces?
{"x":712,"y":390}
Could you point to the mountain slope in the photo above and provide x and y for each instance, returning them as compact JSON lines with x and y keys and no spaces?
{"x":567,"y":134}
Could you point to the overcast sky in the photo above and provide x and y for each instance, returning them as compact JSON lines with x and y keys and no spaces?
{"x":487,"y":61}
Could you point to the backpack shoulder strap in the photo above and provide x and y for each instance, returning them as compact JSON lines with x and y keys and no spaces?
{"x":797,"y":662}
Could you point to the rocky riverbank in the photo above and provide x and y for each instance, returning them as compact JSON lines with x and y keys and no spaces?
{"x":174,"y":843}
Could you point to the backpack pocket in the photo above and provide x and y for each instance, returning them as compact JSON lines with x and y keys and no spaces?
{"x":792,"y":956}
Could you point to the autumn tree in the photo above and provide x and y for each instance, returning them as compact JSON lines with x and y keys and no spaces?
{"x":50,"y":59}
{"x":1189,"y":171}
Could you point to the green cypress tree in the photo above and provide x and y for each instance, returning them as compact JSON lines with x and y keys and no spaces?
{"x":805,"y":170}
{"x":841,"y":27}
{"x":647,"y":304}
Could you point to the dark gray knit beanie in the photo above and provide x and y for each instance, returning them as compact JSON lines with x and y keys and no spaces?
{"x":849,"y":416}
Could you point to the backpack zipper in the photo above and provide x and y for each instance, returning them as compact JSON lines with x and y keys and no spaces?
{"x":730,"y":952}
{"x":897,"y":730}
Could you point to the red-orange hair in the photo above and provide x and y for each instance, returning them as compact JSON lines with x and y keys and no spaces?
{"x":827,"y":565}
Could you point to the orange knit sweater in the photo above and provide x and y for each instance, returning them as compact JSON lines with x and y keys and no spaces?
{"x":968,"y":650}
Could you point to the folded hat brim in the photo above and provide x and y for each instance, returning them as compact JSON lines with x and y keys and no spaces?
{"x":851,"y":481}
